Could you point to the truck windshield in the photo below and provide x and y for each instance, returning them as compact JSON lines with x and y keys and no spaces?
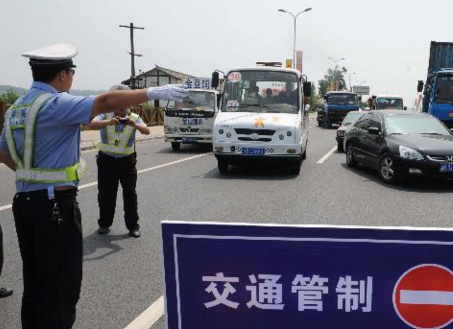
{"x":388,"y":103}
{"x":261,"y":91}
{"x":342,"y":99}
{"x":196,"y":100}
{"x":444,"y":89}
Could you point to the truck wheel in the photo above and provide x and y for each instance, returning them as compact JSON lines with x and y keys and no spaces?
{"x":175,"y":146}
{"x":304,"y":155}
{"x":340,"y":147}
{"x":320,"y":124}
{"x":327,"y":124}
{"x":350,"y":160}
{"x":294,"y":167}
{"x":222,"y":165}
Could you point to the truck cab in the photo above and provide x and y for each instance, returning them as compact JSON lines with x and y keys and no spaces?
{"x":335,"y":106}
{"x":438,"y":96}
{"x":262,"y":118}
{"x":192,"y":120}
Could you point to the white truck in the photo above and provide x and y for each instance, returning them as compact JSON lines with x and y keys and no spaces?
{"x":262,"y":118}
{"x":191,"y":121}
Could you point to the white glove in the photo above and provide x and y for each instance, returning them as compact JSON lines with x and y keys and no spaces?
{"x":168,"y":92}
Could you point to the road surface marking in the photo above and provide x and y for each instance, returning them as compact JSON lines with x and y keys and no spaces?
{"x":8,"y":206}
{"x":325,"y":157}
{"x":426,"y":297}
{"x":149,"y":316}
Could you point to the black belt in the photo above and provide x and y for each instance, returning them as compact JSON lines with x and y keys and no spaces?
{"x":59,"y":194}
{"x":110,"y":157}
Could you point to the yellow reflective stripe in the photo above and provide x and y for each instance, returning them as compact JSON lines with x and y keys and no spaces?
{"x":10,"y":140}
{"x":60,"y":175}
{"x":115,"y":149}
{"x":30,"y":123}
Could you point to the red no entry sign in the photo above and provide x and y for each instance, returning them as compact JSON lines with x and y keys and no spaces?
{"x":423,"y":296}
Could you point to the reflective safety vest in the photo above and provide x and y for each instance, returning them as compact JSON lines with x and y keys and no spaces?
{"x":24,"y":117}
{"x":117,"y":142}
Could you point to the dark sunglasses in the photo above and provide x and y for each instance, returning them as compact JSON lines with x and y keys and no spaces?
{"x":72,"y":71}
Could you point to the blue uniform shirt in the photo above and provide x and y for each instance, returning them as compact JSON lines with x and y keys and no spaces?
{"x":118,"y":129}
{"x":57,"y":132}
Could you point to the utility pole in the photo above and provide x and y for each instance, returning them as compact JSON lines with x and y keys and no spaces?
{"x":132,"y":52}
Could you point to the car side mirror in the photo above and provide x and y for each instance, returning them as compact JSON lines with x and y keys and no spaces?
{"x":374,"y":131}
{"x":215,"y":80}
{"x":420,"y":86}
{"x":307,"y":89}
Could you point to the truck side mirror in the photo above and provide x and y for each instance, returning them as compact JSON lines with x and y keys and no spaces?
{"x":215,"y":80}
{"x":420,"y":86}
{"x":307,"y":89}
{"x":405,"y":108}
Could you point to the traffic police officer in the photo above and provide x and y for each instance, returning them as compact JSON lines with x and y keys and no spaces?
{"x":40,"y":141}
{"x":116,"y":164}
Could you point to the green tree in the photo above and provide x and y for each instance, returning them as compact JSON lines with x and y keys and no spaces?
{"x":333,"y":80}
{"x":10,"y":96}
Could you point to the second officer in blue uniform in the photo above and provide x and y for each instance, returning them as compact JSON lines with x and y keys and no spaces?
{"x":116,"y":162}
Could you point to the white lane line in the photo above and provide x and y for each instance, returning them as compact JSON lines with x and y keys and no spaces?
{"x":149,"y":316}
{"x":8,"y":206}
{"x":81,"y":187}
{"x":325,"y":157}
{"x":426,"y":297}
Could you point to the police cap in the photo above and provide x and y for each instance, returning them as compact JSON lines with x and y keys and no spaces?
{"x":57,"y":56}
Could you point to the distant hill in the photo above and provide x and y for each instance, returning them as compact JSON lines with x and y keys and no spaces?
{"x":77,"y":92}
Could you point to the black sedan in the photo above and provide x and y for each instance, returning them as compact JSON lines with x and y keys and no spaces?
{"x":401,"y":143}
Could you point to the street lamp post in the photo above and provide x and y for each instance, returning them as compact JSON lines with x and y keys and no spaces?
{"x":336,"y":61}
{"x":295,"y":30}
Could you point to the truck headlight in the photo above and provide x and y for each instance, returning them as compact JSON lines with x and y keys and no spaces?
{"x":408,"y":153}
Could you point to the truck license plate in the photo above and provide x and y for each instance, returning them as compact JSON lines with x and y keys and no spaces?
{"x":251,"y":151}
{"x":189,"y":139}
{"x":446,"y":168}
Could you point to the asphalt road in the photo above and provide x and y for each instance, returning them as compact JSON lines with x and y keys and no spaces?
{"x":123,"y":276}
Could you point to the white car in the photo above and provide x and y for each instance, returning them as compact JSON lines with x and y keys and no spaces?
{"x":262,"y":118}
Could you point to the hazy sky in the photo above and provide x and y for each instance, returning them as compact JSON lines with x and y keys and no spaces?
{"x":386,"y":43}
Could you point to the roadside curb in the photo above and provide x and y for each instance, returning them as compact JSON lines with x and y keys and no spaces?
{"x":92,"y":145}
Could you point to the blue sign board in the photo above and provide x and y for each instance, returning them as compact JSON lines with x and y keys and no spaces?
{"x":238,"y":276}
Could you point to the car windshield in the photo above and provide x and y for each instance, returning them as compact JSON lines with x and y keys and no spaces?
{"x":385,"y":103}
{"x":342,"y":99}
{"x":351,"y":117}
{"x":444,"y":89}
{"x":198,"y":100}
{"x":261,"y":91}
{"x":414,"y":125}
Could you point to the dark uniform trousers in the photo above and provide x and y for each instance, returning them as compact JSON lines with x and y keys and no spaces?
{"x":111,"y":172}
{"x":52,"y":258}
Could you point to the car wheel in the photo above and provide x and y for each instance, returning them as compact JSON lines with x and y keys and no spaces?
{"x":222,"y":165}
{"x":340,"y":147}
{"x":350,"y":159}
{"x":304,"y":155}
{"x":387,"y":170}
{"x":294,"y":167}
{"x":175,"y":146}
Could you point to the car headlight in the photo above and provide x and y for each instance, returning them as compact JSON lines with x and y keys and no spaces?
{"x":340,"y":133}
{"x":289,"y":133}
{"x":221,"y":131}
{"x":408,"y":153}
{"x":228,"y":135}
{"x":281,"y":137}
